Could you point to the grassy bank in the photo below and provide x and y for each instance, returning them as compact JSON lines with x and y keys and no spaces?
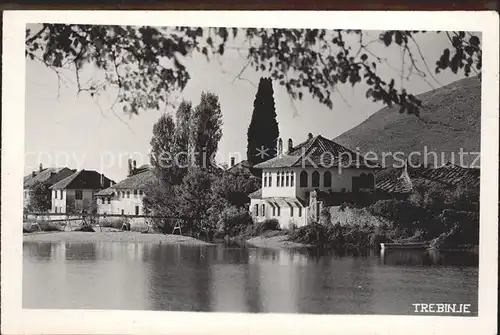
{"x":110,"y":235}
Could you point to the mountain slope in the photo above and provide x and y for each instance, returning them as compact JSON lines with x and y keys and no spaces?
{"x":449,"y":120}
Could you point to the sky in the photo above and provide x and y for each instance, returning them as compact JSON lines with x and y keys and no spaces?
{"x":66,"y":129}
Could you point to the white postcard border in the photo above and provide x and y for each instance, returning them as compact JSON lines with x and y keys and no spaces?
{"x":18,"y":320}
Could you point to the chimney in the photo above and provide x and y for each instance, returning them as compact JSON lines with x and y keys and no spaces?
{"x":232,"y":161}
{"x":135,"y":165}
{"x":33,"y":174}
{"x":102,"y":180}
{"x":290,"y":145}
{"x":129,"y":167}
{"x":280,"y":146}
{"x":40,"y":168}
{"x":309,"y":136}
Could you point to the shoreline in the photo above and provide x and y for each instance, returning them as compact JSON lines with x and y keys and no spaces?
{"x":112,"y":236}
{"x":275,"y":242}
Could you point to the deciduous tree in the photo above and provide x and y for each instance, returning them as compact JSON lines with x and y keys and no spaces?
{"x":40,"y":197}
{"x":145,"y":64}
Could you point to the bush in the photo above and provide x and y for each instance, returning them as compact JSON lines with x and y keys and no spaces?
{"x":261,"y":227}
{"x":339,"y":237}
{"x":233,"y":221}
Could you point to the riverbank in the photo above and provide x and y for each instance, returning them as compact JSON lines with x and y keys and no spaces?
{"x":275,"y":242}
{"x":111,"y":236}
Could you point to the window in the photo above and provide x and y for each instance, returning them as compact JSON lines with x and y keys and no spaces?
{"x":278,"y":179}
{"x":256,"y":211}
{"x":270,"y":181}
{"x":291,"y":179}
{"x":55,"y":208}
{"x":315,"y":179}
{"x":140,"y":192}
{"x":287,"y":179}
{"x":282,"y":183}
{"x":279,"y":210}
{"x":136,"y":210}
{"x":274,"y":209}
{"x":135,"y":193}
{"x":291,"y":210}
{"x":61,"y":194}
{"x":303,"y":179}
{"x":55,"y":194}
{"x":327,"y":179}
{"x":263,"y":210}
{"x":265,"y":180}
{"x":109,"y":201}
{"x":128,"y":194}
{"x":300,"y":211}
{"x":123,"y":212}
{"x":78,"y":195}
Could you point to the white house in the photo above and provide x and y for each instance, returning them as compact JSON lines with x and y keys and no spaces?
{"x":126,"y":196}
{"x":76,"y":192}
{"x":292,"y":181}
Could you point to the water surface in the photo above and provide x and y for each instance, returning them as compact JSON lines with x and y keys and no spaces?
{"x":133,"y":276}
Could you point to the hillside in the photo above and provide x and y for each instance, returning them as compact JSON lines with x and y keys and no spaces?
{"x":449,"y":120}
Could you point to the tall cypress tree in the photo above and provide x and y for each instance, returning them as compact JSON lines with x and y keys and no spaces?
{"x":263,"y":131}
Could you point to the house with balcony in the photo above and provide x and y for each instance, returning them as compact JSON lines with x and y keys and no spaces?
{"x":76,"y":192}
{"x":295,"y":183}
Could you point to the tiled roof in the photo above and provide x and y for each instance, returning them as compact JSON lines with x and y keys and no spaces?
{"x":244,"y":164}
{"x":288,"y":201}
{"x":452,"y":175}
{"x":49,"y":175}
{"x":137,"y":181}
{"x":256,"y":195}
{"x":319,"y":152}
{"x":83,"y":180}
{"x":449,"y":174}
{"x":400,"y":184}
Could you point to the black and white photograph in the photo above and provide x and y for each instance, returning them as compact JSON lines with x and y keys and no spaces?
{"x":262,"y":170}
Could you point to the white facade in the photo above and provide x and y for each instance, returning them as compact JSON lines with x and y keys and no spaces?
{"x":285,"y":191}
{"x":123,"y":201}
{"x":65,"y":199}
{"x":287,"y":212}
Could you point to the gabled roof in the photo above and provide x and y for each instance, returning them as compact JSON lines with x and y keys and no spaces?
{"x":49,"y":175}
{"x":135,"y":182}
{"x":319,"y":152}
{"x":83,"y":180}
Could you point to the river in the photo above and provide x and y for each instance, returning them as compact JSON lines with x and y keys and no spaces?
{"x":139,"y":276}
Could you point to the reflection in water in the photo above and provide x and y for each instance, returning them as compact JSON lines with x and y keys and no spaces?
{"x":236,"y":279}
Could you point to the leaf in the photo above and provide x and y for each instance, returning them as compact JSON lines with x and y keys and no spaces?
{"x":474,"y":40}
{"x":398,"y":38}
{"x":369,"y":92}
{"x":387,"y":38}
{"x":364,"y":57}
